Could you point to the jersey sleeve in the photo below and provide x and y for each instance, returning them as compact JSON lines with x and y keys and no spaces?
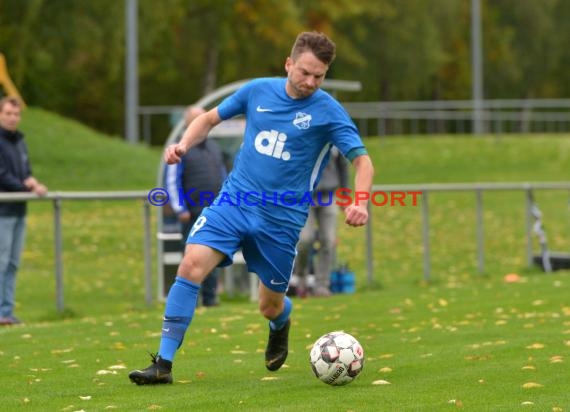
{"x":343,"y":132}
{"x":236,"y":103}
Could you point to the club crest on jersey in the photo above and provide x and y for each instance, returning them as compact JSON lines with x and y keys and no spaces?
{"x":302,"y":120}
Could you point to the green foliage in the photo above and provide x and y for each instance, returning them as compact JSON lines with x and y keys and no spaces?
{"x":68,"y":56}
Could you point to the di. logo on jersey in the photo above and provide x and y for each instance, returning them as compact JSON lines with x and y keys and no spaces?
{"x":272,"y":143}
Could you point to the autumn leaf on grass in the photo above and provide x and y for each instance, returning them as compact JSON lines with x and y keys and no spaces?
{"x":536,"y":346}
{"x":484,"y":357}
{"x":106,"y":372}
{"x":532,"y":385}
{"x":456,"y":402}
{"x":68,"y":361}
{"x":556,"y":359}
{"x":58,"y":351}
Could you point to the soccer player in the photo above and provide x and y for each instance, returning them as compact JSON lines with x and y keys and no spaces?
{"x":291,"y":126}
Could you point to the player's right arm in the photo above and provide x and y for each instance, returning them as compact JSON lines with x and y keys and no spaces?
{"x":195,"y":133}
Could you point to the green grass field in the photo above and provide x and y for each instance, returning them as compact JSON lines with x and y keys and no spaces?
{"x":462,"y":341}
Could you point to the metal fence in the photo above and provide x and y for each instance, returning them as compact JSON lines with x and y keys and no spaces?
{"x":429,"y":117}
{"x":477,"y":189}
{"x":457,"y":116}
{"x":58,"y":198}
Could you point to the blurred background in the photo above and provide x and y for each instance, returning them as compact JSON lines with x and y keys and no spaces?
{"x":69,"y":56}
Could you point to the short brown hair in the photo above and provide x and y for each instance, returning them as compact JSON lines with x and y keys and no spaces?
{"x":14,"y":101}
{"x":317,"y":43}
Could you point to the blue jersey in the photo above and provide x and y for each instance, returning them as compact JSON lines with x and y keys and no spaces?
{"x":285,"y":148}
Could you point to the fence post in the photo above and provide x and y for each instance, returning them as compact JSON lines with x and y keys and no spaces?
{"x":369,"y":251}
{"x":147,"y":253}
{"x":58,"y":254}
{"x":425,"y":232}
{"x":480,"y":232}
{"x":529,"y":202}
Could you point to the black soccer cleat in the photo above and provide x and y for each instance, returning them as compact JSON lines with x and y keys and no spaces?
{"x":277,"y":347}
{"x":159,"y":371}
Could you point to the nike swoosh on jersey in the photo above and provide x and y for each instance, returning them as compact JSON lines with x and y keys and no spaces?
{"x":261,"y":109}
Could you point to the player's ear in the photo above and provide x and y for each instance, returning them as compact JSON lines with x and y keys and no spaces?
{"x":288,"y":64}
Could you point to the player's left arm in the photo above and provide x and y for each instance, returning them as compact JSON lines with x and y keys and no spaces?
{"x":356,"y":214}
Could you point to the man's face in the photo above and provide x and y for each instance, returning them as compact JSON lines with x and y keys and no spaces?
{"x":10,"y":117}
{"x":305,"y":75}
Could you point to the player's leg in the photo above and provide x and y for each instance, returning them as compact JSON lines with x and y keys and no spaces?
{"x":198,"y":261}
{"x":209,"y":243}
{"x":276,"y":307}
{"x":270,"y":252}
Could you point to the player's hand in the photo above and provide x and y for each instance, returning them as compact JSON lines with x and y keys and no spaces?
{"x":356,"y":215}
{"x":173,"y":153}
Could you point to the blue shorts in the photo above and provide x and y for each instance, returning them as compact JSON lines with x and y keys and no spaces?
{"x":269,"y":249}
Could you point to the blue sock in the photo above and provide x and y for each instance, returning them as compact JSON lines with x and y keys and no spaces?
{"x":180,"y":306}
{"x":281,"y":320}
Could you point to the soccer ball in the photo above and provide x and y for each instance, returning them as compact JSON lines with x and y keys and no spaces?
{"x":337,"y":358}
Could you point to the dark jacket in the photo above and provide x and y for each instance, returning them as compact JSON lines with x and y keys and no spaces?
{"x":14,"y":169}
{"x":201,"y":170}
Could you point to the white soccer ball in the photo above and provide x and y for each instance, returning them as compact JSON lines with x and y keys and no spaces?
{"x":337,"y":358}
